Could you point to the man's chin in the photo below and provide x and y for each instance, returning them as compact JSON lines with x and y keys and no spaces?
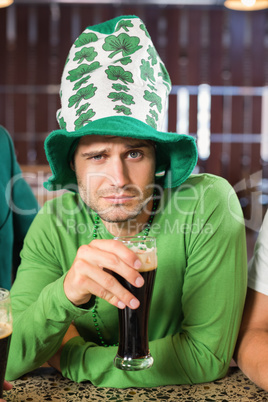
{"x":117,"y":219}
{"x":118,"y":216}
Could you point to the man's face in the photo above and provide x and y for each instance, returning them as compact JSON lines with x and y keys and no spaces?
{"x":115,"y":175}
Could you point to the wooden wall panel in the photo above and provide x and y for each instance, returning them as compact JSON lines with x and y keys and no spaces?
{"x":21,"y":49}
{"x":236,"y":154}
{"x":237,"y":27}
{"x":214,"y":164}
{"x":193,"y":115}
{"x":3,"y":63}
{"x":215,"y":49}
{"x":194,"y":49}
{"x":255,"y":160}
{"x":67,"y":33}
{"x":257,"y":54}
{"x":3,"y":44}
{"x":173,"y":45}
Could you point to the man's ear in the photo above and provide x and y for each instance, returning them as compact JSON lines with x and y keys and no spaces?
{"x":72,"y":165}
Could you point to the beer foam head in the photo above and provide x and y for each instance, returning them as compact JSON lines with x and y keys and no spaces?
{"x":144,"y":248}
{"x":5,"y":330}
{"x":147,"y":256}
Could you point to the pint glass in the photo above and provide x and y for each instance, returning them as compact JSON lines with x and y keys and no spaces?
{"x":133,"y":351}
{"x":5,"y":333}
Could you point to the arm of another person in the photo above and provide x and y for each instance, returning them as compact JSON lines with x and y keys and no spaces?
{"x":252,"y":345}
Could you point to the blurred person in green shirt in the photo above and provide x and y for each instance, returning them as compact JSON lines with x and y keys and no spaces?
{"x":18,"y":207}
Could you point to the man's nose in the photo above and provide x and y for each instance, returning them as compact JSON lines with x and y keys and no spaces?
{"x":119,"y":172}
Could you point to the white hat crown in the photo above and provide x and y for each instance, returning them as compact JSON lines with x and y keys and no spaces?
{"x":113,"y":69}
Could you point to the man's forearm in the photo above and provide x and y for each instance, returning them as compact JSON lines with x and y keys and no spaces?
{"x":252,"y":356}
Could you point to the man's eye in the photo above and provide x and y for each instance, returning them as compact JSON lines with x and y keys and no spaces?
{"x":134,"y":154}
{"x":97,"y":157}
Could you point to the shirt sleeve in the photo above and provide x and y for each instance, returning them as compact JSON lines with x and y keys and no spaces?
{"x":41,"y":311}
{"x":213,"y":297}
{"x":258,"y":265}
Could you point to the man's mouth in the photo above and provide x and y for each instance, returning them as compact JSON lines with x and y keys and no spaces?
{"x":119,"y":199}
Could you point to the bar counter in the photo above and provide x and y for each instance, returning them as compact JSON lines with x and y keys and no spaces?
{"x":46,"y":384}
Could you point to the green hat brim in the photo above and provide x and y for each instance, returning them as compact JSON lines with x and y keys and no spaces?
{"x":176,"y":154}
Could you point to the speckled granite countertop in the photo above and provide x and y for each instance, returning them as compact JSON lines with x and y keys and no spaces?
{"x":45,"y":384}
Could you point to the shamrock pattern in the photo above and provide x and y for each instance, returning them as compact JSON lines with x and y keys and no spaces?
{"x":151,"y":87}
{"x":82,"y":70}
{"x":164,"y":74}
{"x":85,"y":39}
{"x":83,"y":93}
{"x":143,"y":28}
{"x":121,"y":96}
{"x":125,"y":24}
{"x":124,"y":60}
{"x":122,"y":43}
{"x":62,"y":122}
{"x":123,"y":109}
{"x":83,"y":108}
{"x":147,"y":72}
{"x":119,"y":87}
{"x":151,"y":122}
{"x":85,"y":54}
{"x":84,"y":119}
{"x":154,"y":100}
{"x":154,"y":114}
{"x":127,"y":99}
{"x":120,"y":73}
{"x":83,"y":81}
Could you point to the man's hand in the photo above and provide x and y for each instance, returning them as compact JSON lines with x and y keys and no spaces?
{"x":88,"y":277}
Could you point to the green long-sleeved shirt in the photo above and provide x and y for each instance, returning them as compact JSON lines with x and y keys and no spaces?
{"x":18,"y":208}
{"x":197,"y":302}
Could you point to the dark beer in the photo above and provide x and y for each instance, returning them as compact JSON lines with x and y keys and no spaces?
{"x":133,"y":324}
{"x":133,"y":350}
{"x":5,"y":334}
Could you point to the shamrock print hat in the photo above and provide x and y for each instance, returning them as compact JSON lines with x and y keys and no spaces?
{"x":114,"y":83}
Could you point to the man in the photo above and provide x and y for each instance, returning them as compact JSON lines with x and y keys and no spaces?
{"x":252,"y":345}
{"x":18,"y":208}
{"x":127,"y":177}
